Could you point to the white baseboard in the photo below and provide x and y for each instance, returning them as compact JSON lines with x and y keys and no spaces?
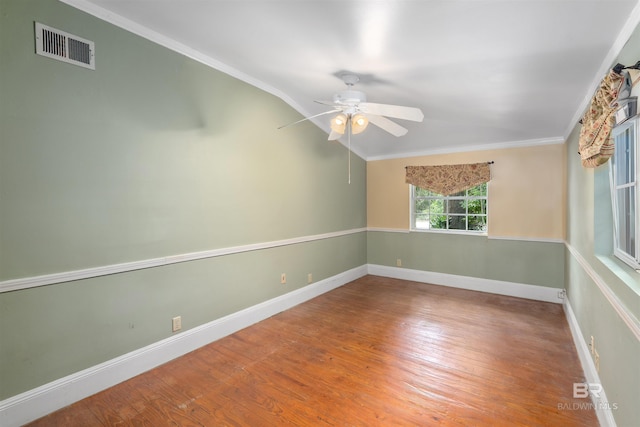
{"x":600,"y":402}
{"x":36,"y":403}
{"x":535,"y":292}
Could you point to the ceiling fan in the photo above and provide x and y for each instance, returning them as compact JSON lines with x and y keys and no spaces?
{"x":353,"y":113}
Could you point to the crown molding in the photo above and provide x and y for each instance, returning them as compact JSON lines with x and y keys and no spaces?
{"x":171,"y":44}
{"x":180,"y":48}
{"x":623,"y":36}
{"x":470,"y":148}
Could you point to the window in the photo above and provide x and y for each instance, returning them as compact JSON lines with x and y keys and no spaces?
{"x":624,"y":193}
{"x":464,"y":211}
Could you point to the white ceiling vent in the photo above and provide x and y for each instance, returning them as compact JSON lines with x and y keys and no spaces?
{"x":64,"y":47}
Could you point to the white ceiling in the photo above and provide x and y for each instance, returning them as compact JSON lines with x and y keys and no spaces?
{"x":486,"y":73}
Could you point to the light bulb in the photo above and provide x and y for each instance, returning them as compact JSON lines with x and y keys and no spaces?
{"x":359,"y":123}
{"x":338,"y":123}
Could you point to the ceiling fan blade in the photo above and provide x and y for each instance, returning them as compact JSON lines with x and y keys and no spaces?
{"x":323,"y":102}
{"x":385,"y":124}
{"x":310,"y":117}
{"x":334,"y":136}
{"x":395,"y":111}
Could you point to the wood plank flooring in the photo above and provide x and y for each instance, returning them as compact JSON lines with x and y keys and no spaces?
{"x":375,"y":352}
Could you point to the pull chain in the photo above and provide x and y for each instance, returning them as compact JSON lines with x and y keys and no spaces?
{"x":349,"y":148}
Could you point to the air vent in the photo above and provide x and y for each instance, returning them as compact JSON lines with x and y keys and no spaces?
{"x":65,"y":47}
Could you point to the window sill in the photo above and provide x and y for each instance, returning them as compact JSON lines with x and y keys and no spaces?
{"x":458,"y":232}
{"x":623,"y":271}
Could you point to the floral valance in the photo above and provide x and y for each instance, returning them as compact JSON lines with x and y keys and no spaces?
{"x":595,"y":144}
{"x":448,"y":179}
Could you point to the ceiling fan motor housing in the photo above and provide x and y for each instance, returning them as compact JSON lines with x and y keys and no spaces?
{"x":349,"y":97}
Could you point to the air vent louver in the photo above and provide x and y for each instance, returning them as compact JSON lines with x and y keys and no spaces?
{"x":65,"y":47}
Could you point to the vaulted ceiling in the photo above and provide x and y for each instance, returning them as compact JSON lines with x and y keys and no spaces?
{"x":486,"y":73}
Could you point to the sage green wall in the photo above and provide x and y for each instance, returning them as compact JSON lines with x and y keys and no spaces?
{"x":589,"y":234}
{"x":150,"y":155}
{"x":526,"y":262}
{"x":53,"y":331}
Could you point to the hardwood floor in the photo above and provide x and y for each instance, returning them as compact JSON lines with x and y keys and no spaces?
{"x":375,"y":352}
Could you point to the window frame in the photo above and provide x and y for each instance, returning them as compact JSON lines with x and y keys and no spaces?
{"x":413,"y":215}
{"x":633,"y":161}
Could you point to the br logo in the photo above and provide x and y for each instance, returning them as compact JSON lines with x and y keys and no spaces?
{"x":582,"y":390}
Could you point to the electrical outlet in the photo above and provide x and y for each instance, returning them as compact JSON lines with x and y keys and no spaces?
{"x":398,"y":262}
{"x":592,"y":345}
{"x":309,"y":278}
{"x":176,"y":323}
{"x":283,"y":278}
{"x":596,"y":360}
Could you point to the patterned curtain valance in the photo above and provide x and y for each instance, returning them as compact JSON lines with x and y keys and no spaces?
{"x":595,"y":144}
{"x":448,"y":179}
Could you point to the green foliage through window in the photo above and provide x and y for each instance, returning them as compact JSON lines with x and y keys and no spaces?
{"x":465,"y":211}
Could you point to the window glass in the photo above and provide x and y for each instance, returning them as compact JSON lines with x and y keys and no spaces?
{"x":625,"y":193}
{"x":463,"y":211}
{"x":624,"y":157}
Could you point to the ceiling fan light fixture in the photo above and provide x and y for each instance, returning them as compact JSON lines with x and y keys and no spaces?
{"x":358,"y":123}
{"x":338,"y":123}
